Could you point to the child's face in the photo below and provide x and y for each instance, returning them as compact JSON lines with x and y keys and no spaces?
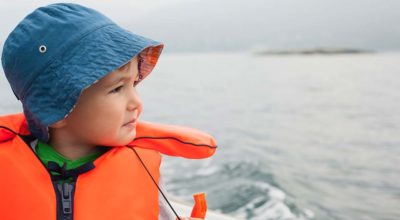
{"x":104,"y":110}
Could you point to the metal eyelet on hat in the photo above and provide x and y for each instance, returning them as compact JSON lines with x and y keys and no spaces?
{"x":42,"y":49}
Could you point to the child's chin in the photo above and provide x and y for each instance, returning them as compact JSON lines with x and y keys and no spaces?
{"x":123,"y":139}
{"x":128,"y":138}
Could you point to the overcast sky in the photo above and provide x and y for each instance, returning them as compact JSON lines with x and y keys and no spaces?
{"x":242,"y":25}
{"x":12,"y":12}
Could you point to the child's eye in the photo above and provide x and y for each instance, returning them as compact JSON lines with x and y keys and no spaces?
{"x":116,"y":89}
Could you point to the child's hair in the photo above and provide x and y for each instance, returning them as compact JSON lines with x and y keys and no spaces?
{"x":58,"y":50}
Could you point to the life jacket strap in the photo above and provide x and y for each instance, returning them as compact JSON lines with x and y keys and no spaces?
{"x":64,"y":173}
{"x":152,"y":178}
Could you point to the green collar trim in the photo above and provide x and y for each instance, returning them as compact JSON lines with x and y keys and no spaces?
{"x":47,"y":153}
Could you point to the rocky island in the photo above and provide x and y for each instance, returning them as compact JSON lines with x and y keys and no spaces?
{"x":312,"y":51}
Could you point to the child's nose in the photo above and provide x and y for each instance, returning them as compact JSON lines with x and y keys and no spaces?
{"x":134,"y":101}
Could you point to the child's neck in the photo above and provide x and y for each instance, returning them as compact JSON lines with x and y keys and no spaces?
{"x":73,"y":152}
{"x":70,"y":149}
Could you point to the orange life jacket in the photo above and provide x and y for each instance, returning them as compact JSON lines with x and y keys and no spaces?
{"x":115,"y":186}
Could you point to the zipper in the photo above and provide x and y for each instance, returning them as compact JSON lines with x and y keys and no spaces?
{"x":65,"y":200}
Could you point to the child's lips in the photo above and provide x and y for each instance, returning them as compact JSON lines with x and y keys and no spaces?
{"x":131,"y":122}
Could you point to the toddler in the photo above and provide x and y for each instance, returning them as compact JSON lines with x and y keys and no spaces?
{"x":79,"y":151}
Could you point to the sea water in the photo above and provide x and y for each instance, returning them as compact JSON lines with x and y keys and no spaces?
{"x":299,"y":137}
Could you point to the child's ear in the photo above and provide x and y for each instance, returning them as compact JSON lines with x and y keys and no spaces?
{"x":59,"y":124}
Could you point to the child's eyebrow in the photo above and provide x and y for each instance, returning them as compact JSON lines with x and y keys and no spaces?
{"x":119,"y":79}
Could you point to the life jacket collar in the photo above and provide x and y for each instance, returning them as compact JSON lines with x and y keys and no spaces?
{"x":13,"y":125}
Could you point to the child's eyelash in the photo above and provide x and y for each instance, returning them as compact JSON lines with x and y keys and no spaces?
{"x":116,"y":89}
{"x":120,"y":87}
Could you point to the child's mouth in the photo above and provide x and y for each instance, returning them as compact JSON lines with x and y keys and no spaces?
{"x":130,"y":123}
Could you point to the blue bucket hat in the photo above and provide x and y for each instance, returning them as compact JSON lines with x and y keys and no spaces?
{"x":58,"y":50}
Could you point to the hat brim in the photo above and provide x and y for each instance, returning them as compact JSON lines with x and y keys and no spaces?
{"x":55,"y":92}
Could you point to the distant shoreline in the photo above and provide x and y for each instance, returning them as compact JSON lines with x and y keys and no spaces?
{"x":312,"y":51}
